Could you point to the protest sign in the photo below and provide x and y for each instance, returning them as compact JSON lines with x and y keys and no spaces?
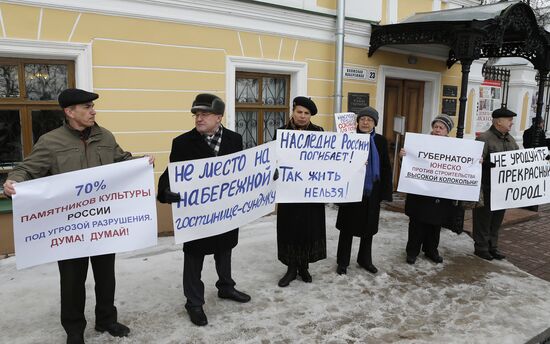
{"x":222,"y":193}
{"x":320,"y":167}
{"x":441,"y":166}
{"x":520,"y":178}
{"x":345,"y":122}
{"x":89,"y":212}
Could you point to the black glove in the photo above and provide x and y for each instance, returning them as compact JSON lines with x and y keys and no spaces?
{"x":171,"y":197}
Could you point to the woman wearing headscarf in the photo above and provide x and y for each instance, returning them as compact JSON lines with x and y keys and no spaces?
{"x":360,"y":219}
{"x":427,"y":214}
{"x":301,"y":234}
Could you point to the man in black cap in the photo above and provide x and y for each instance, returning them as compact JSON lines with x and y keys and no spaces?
{"x":487,"y":223}
{"x":80,"y":143}
{"x":209,"y":138}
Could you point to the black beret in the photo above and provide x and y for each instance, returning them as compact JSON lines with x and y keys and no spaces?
{"x":208,"y":103}
{"x":503,"y":112}
{"x":368,"y":111}
{"x":305,"y":102}
{"x":75,"y":96}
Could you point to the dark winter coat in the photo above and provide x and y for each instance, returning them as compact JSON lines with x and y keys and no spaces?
{"x":190,"y":146}
{"x":361,"y":218}
{"x":533,"y":138}
{"x":430,"y":210}
{"x":495,"y":142}
{"x":301,"y":229}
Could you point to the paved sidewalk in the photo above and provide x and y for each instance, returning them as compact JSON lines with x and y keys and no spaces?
{"x":524,"y":236}
{"x":527,"y":244}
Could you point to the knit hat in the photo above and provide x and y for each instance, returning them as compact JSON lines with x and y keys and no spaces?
{"x":446,"y":120}
{"x":208,"y":103}
{"x":368,"y":111}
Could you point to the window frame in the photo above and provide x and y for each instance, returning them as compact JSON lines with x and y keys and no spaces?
{"x":259,"y":107}
{"x":26,"y":106}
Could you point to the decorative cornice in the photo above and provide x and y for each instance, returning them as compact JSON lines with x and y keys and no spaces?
{"x":229,"y":14}
{"x":465,"y":3}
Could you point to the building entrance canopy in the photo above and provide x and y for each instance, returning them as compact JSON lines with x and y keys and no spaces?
{"x":504,"y":29}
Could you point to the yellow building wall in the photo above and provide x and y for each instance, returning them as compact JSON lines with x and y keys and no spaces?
{"x":406,"y":8}
{"x":330,"y":4}
{"x":148,"y":72}
{"x":524,"y":112}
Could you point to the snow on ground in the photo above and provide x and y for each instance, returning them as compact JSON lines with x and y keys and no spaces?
{"x":463,"y":300}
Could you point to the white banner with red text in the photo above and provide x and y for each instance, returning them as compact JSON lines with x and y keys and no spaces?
{"x":321,"y":167}
{"x":345,"y":122}
{"x":441,"y":166}
{"x":520,"y":178}
{"x":222,"y":193}
{"x":99,"y":210}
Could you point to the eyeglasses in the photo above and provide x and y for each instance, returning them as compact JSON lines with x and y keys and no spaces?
{"x":203,"y":114}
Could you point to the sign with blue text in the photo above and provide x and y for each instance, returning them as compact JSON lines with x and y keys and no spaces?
{"x":321,"y":167}
{"x":441,"y":166}
{"x":222,"y":193}
{"x":99,"y":210}
{"x":520,"y":178}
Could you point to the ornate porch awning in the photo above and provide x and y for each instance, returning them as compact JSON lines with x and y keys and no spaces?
{"x":504,"y":29}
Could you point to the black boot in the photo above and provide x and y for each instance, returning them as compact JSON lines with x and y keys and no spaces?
{"x":496,"y":254}
{"x":434,"y":257}
{"x":75,"y":338}
{"x":304,"y":273}
{"x":288,"y":277}
{"x":197,"y":316}
{"x":364,"y":258}
{"x":341,"y":270}
{"x":483,"y":254}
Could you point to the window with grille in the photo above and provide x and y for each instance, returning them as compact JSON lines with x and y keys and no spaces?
{"x":261,"y":106}
{"x":28,"y":104}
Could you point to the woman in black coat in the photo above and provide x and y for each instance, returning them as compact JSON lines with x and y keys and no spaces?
{"x":360,"y":219}
{"x":427,"y":214}
{"x":301,"y":231}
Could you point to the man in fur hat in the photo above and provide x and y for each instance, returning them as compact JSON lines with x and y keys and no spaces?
{"x":209,"y":138}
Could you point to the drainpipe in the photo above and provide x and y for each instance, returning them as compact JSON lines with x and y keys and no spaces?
{"x":340,"y":19}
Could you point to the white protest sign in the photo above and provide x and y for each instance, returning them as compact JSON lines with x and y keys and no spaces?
{"x":99,"y":210}
{"x":441,"y":166}
{"x":222,"y":193}
{"x":345,"y":122}
{"x":520,"y":178}
{"x":320,"y":167}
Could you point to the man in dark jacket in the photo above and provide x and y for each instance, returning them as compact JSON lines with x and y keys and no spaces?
{"x":208,"y":139}
{"x":535,"y":136}
{"x":487,"y":223}
{"x":80,"y":143}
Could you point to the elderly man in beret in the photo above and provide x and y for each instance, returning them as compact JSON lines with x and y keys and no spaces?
{"x":487,"y":223}
{"x":209,"y":138}
{"x":301,"y":229}
{"x":80,"y":143}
